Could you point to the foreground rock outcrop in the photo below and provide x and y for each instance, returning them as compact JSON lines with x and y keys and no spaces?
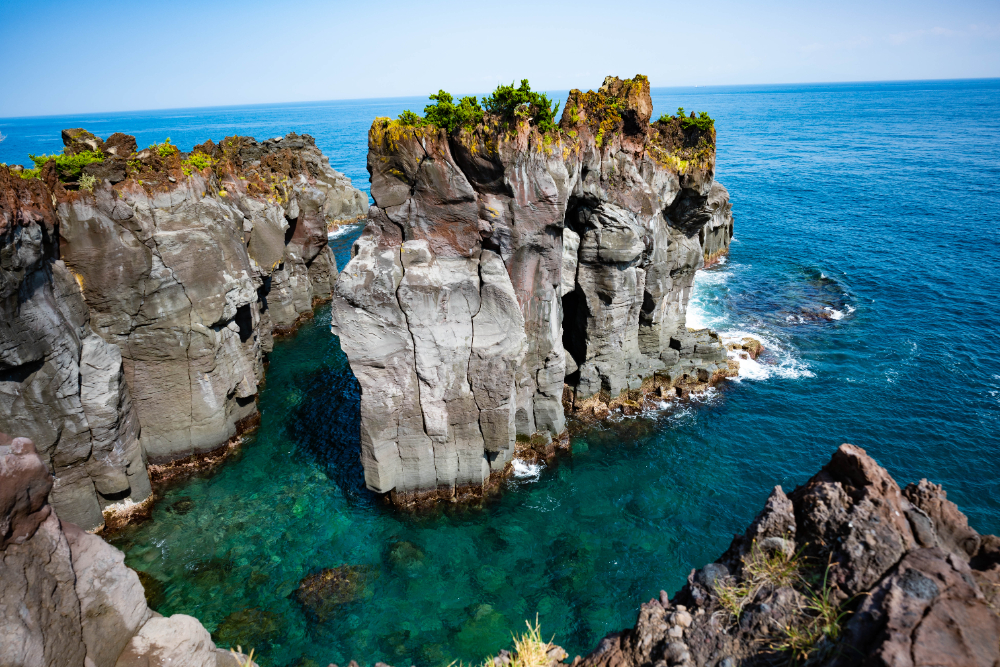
{"x":66,"y":597}
{"x":508,"y":275}
{"x":848,"y":569}
{"x":141,"y":294}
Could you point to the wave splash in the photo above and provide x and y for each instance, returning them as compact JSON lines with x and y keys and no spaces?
{"x":707,"y":309}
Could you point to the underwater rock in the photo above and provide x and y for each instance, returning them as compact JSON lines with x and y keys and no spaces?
{"x":406,"y":556}
{"x":508,"y":276}
{"x":324,"y":592}
{"x":248,"y":627}
{"x":137,"y":315}
{"x":66,"y":596}
{"x":154,"y":589}
{"x":894,"y":573}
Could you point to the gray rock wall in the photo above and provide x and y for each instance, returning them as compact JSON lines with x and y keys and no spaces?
{"x":59,"y":380}
{"x":138,"y":316}
{"x":66,"y":597}
{"x":598,"y":235}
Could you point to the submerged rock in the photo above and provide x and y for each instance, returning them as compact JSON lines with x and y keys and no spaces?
{"x":507,"y":276}
{"x":324,"y":592}
{"x":249,"y":627}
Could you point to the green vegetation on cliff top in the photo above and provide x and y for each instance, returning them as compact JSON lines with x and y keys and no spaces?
{"x":507,"y":103}
{"x":68,"y":167}
{"x":701,"y":121}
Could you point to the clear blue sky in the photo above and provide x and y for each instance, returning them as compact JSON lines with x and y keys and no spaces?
{"x":77,"y":57}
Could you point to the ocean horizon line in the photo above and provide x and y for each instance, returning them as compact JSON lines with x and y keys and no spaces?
{"x":755,"y":87}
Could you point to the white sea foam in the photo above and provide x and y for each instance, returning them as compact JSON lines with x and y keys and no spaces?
{"x":703,"y":307}
{"x":705,"y":310}
{"x":526,"y":471}
{"x":776,"y":360}
{"x":342,"y":229}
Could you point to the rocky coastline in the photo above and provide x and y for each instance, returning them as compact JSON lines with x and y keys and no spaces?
{"x":847,"y":569}
{"x":514,"y":271}
{"x":141,"y":291}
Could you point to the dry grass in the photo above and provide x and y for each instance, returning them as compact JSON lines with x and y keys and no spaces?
{"x":818,"y":622}
{"x":242,"y":660}
{"x":760,"y":571}
{"x":530,"y":650}
{"x":812,"y":635}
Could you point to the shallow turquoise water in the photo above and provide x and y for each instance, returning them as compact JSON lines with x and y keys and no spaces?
{"x":876,"y":204}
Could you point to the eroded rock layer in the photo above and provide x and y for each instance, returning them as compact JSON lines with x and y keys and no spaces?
{"x":506,"y":275}
{"x":140,"y":300}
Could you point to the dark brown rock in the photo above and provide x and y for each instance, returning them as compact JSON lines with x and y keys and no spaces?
{"x":847,"y":531}
{"x":120,"y":145}
{"x":927,"y":611}
{"x":79,"y":140}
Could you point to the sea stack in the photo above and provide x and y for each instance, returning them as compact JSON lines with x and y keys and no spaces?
{"x":511,"y":271}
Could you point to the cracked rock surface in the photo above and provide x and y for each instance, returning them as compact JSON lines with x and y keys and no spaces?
{"x":138,"y":315}
{"x":507,"y":276}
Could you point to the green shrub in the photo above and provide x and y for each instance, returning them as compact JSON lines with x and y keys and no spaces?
{"x":445,"y":113}
{"x":411,"y":119}
{"x":166,"y":149}
{"x":508,"y":103}
{"x":702,"y":121}
{"x":512,"y":104}
{"x":68,"y":167}
{"x":195,"y":162}
{"x":87,"y":182}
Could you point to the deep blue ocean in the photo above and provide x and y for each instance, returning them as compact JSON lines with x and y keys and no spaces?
{"x":866,"y":258}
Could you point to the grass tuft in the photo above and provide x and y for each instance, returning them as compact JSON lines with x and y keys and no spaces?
{"x":761,"y":571}
{"x":242,"y":660}
{"x":530,"y":650}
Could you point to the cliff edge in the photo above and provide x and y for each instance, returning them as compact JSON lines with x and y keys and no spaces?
{"x":848,"y":569}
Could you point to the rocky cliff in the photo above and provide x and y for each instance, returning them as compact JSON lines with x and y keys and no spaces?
{"x":848,"y":569}
{"x":141,"y":292}
{"x":66,"y":597}
{"x":512,"y":270}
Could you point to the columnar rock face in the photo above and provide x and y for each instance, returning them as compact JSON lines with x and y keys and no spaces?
{"x":66,"y":597}
{"x":59,"y":380}
{"x":138,"y":314}
{"x":506,"y":275}
{"x":900,"y":575}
